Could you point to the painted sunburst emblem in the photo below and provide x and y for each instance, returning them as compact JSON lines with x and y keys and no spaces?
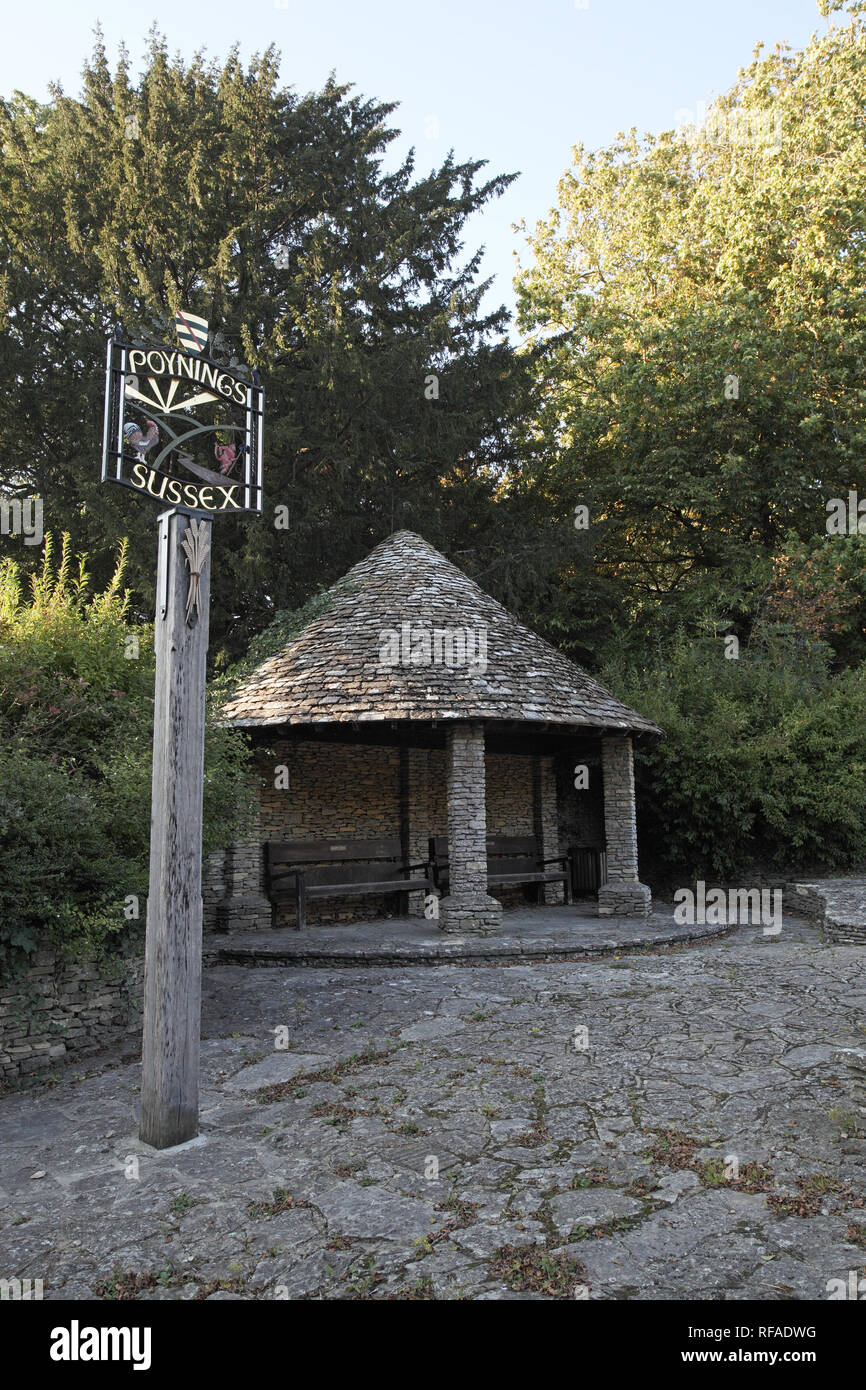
{"x":166,"y":401}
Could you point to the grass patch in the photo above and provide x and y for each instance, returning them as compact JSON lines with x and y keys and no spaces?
{"x":596,"y":1175}
{"x":422,"y":1289}
{"x":183,"y":1203}
{"x":533,"y":1269}
{"x":811,"y":1192}
{"x":283,"y":1200}
{"x":344,"y":1066}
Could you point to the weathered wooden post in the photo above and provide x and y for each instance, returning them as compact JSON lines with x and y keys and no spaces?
{"x":172,"y":969}
{"x":149,"y":433}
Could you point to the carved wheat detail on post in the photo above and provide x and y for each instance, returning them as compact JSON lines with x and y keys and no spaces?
{"x":196,"y":547}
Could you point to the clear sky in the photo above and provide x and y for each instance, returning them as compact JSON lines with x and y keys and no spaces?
{"x":515,"y":82}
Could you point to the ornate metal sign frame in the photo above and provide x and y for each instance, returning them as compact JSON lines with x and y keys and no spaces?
{"x":150,"y":429}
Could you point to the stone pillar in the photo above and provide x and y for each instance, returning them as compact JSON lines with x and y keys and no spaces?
{"x":244,"y":905}
{"x":545,"y":823}
{"x":467,"y":910}
{"x":622,"y":895}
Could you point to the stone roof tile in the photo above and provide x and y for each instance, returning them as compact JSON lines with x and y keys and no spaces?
{"x":374,"y":655}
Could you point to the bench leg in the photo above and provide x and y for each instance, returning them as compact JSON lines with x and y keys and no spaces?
{"x":301,"y":903}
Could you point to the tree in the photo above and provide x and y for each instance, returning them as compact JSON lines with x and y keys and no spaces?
{"x":698,"y":297}
{"x":208,"y":186}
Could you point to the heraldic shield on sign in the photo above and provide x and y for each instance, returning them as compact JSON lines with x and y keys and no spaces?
{"x":183,"y":429}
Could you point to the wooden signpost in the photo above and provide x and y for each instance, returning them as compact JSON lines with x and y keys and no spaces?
{"x":172,"y":967}
{"x":138,"y":411}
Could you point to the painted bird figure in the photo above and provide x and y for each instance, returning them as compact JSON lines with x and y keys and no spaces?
{"x":140,"y":440}
{"x":226,"y":455}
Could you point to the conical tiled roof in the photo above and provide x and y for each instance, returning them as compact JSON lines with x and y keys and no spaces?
{"x":381,"y":651}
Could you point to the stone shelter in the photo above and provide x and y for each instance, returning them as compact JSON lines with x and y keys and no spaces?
{"x":417,"y":706}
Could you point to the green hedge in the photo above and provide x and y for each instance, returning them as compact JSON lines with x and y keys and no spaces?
{"x":763,"y":764}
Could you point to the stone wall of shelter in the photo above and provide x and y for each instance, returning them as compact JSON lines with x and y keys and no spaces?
{"x":312,"y":790}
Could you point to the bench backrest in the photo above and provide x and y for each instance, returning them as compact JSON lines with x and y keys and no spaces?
{"x":330,"y":862}
{"x":290,"y":852}
{"x":508,"y":853}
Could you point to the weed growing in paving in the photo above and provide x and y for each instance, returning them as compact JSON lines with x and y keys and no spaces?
{"x":532,"y":1269}
{"x":281,"y":1090}
{"x":347,"y":1170}
{"x":674,"y":1149}
{"x":462,"y":1210}
{"x":421,"y":1289}
{"x":846,"y":1122}
{"x":609,"y":1228}
{"x":811,"y":1193}
{"x":282,"y":1201}
{"x":361,"y":1277}
{"x":128,"y":1284}
{"x":752,"y":1176}
{"x":182,"y":1203}
{"x":596,"y":1175}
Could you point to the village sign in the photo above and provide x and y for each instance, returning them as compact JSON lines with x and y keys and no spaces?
{"x":152,"y":440}
{"x":201,"y":464}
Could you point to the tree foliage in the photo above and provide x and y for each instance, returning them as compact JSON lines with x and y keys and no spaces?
{"x":699,"y":298}
{"x":209,"y":186}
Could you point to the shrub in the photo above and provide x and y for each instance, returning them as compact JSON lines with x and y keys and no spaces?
{"x":763,"y":764}
{"x":76,"y":719}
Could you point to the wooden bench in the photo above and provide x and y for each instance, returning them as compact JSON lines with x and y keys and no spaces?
{"x":302,"y":869}
{"x":511,"y":859}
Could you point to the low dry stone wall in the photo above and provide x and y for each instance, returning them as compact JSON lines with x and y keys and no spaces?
{"x":837,"y":904}
{"x":60,"y":1009}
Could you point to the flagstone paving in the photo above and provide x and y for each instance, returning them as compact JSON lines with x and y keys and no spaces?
{"x":450,"y":1132}
{"x":527,"y":933}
